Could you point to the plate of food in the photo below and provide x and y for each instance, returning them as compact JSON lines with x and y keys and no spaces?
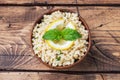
{"x":60,"y":38}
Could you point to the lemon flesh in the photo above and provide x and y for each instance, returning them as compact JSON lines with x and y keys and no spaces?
{"x":62,"y":44}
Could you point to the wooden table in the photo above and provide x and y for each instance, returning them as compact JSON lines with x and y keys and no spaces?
{"x":17,"y":61}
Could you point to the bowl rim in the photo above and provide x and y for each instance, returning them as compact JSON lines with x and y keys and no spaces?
{"x":80,"y":19}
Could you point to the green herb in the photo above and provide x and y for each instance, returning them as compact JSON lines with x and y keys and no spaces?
{"x":70,"y":34}
{"x":58,"y":58}
{"x":52,"y":34}
{"x":66,"y":34}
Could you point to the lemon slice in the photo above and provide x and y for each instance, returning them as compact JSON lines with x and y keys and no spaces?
{"x":57,"y":23}
{"x":70,"y":25}
{"x":62,"y":44}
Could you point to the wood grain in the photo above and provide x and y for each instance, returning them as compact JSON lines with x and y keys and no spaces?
{"x":98,"y":1}
{"x":16,"y":24}
{"x":54,"y":76}
{"x":105,"y":30}
{"x":15,"y":39}
{"x":38,"y":1}
{"x":16,"y":2}
{"x":50,"y":76}
{"x":60,"y":2}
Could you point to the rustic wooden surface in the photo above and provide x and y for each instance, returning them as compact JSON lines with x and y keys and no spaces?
{"x":16,"y":25}
{"x":60,"y":1}
{"x":56,"y":76}
{"x":15,"y":51}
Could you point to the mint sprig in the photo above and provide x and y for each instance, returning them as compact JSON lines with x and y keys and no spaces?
{"x":66,"y":34}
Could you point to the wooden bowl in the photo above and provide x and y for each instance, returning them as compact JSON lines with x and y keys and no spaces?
{"x":86,"y":27}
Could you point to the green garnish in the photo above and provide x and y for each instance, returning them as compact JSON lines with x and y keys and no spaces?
{"x":66,"y":34}
{"x":58,"y":58}
{"x":52,"y":34}
{"x":70,"y":34}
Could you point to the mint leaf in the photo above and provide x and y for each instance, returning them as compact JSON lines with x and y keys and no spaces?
{"x":70,"y":34}
{"x":66,"y":34}
{"x":52,"y":34}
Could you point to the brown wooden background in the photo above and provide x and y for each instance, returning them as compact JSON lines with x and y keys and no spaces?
{"x":17,"y":18}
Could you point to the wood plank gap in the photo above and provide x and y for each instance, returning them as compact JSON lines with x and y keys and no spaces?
{"x":44,"y":4}
{"x":77,"y":8}
{"x":63,"y":72}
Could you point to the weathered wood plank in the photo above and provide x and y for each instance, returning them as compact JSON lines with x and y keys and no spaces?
{"x":104,"y":59}
{"x":105,"y":35}
{"x":98,"y":1}
{"x":21,"y":57}
{"x":16,"y":24}
{"x":15,"y":1}
{"x":111,"y":76}
{"x":101,"y":18}
{"x":60,"y":2}
{"x":27,"y":16}
{"x":54,"y":76}
{"x":49,"y":76}
{"x":28,"y":62}
{"x":105,"y":17}
{"x":21,"y":62}
{"x":38,"y":1}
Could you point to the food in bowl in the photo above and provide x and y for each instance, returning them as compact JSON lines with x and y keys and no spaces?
{"x":60,"y":39}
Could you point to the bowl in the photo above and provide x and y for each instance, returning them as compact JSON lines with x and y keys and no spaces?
{"x":86,"y":27}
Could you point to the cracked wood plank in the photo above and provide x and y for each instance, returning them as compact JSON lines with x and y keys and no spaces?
{"x":16,"y":24}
